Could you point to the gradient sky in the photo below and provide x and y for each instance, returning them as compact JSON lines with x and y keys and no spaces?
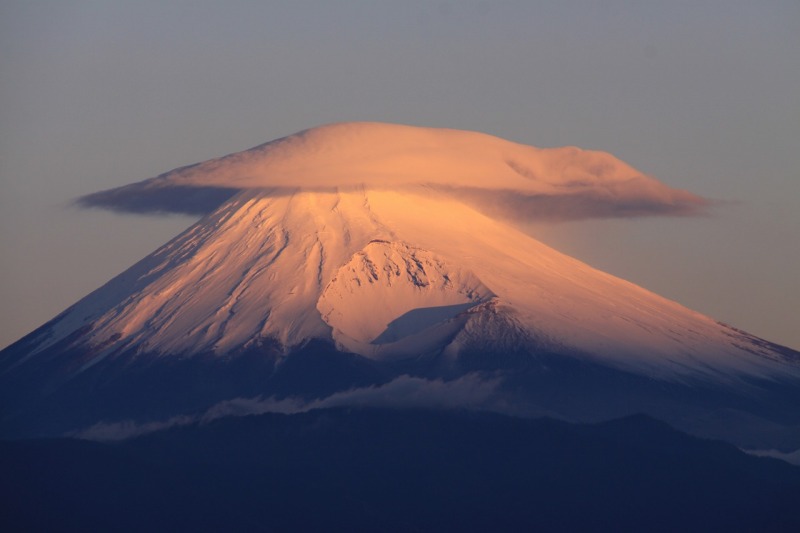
{"x":702,"y":95}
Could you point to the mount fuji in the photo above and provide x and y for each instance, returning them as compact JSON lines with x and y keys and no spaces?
{"x":376,"y":264}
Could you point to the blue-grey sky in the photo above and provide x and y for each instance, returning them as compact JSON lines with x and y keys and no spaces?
{"x":703,"y":95}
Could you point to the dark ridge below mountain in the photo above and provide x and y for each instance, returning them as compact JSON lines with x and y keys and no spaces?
{"x":349,"y":469}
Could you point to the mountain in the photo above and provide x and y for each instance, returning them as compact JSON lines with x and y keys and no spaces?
{"x":348,"y":259}
{"x":397,"y":470}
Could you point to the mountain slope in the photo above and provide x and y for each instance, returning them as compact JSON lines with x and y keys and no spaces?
{"x":373,"y":282}
{"x":307,"y":265}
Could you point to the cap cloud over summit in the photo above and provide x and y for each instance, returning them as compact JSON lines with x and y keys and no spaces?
{"x":501,"y":178}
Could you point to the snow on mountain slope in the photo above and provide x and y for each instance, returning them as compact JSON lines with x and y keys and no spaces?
{"x":389,"y":274}
{"x":403,"y":291}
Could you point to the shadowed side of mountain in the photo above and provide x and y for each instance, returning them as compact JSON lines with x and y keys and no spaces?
{"x":511,"y":377}
{"x":140,"y":388}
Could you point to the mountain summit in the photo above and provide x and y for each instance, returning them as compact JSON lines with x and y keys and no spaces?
{"x":356,"y":257}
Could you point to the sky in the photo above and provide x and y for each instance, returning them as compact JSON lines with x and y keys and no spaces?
{"x":702,"y":95}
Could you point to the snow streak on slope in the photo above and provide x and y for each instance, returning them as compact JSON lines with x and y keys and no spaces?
{"x":389,"y":274}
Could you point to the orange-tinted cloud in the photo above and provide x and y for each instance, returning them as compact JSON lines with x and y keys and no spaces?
{"x":499,"y":177}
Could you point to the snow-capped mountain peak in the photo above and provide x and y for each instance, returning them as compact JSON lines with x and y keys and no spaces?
{"x":384,"y":274}
{"x":354,"y":254}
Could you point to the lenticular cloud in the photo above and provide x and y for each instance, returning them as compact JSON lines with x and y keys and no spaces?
{"x":499,"y":177}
